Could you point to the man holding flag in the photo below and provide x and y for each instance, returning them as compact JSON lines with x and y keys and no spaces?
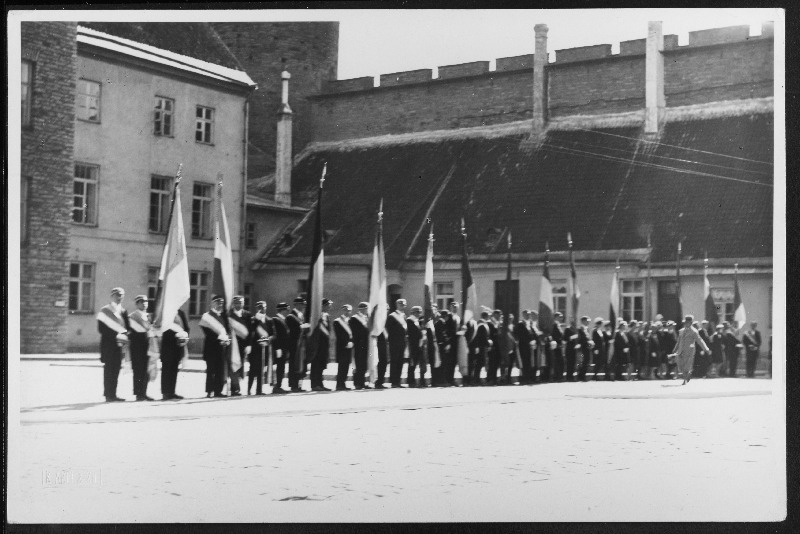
{"x":378,"y":306}
{"x":546,"y":315}
{"x":469,"y":302}
{"x":173,"y":291}
{"x":432,"y":356}
{"x":319,"y":335}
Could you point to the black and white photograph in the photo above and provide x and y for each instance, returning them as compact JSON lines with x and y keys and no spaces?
{"x":294,"y":266}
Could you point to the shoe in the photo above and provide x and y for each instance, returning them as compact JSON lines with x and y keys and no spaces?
{"x":423,"y":385}
{"x":110,"y":399}
{"x":117,"y":399}
{"x":297,"y":389}
{"x":260,"y":394}
{"x":279,"y":391}
{"x":412,"y":384}
{"x":319,"y":388}
{"x":139,"y":398}
{"x":359,"y":388}
{"x":380,"y":386}
{"x":220,"y":395}
{"x":343,"y":388}
{"x":176,"y":397}
{"x":236,"y":394}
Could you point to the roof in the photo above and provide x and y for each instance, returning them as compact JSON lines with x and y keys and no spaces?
{"x":221,"y":72}
{"x":707,"y":181}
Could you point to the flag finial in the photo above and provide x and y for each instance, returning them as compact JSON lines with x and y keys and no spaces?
{"x":178,"y":174}
{"x":617,"y":266}
{"x":705,"y":261}
{"x":547,"y":246}
{"x":649,"y":244}
{"x":569,"y":239}
{"x":463,"y":228}
{"x":430,"y":236}
{"x":509,"y":240}
{"x":380,"y":211}
{"x":679,"y":247}
{"x":324,"y":172}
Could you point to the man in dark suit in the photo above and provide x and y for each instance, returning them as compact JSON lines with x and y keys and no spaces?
{"x":452,"y":330}
{"x":217,"y":339}
{"x":417,"y":339}
{"x":444,"y":344}
{"x":322,"y":346}
{"x":557,"y":344}
{"x":584,"y":345}
{"x":113,"y":325}
{"x":493,"y":356}
{"x":173,"y":350}
{"x":479,"y":344}
{"x":139,"y":335}
{"x":344,"y":346}
{"x":282,"y":346}
{"x":752,"y":344}
{"x":240,"y":321}
{"x":383,"y":358}
{"x":524,"y":335}
{"x":732,"y":347}
{"x":262,"y":336}
{"x":298,"y":327}
{"x":570,"y":351}
{"x":599,"y":352}
{"x":396,"y":328}
{"x":359,"y":325}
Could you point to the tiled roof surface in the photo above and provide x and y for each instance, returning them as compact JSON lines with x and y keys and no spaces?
{"x":605,"y":186}
{"x":193,"y":39}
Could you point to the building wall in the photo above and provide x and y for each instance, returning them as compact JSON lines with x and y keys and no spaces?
{"x":351,"y":285}
{"x":127,"y":152}
{"x":717,"y":64}
{"x":47,"y":164}
{"x":308,"y":50}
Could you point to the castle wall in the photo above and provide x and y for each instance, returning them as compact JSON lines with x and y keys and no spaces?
{"x":716,"y":64}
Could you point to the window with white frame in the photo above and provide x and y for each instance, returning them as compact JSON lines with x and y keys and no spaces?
{"x":632,"y":295}
{"x":84,"y":194}
{"x":159,"y":203}
{"x":27,"y":91}
{"x":723,"y":300}
{"x":152,"y":287}
{"x":201,"y":210}
{"x":198,"y":292}
{"x":204,"y":125}
{"x":81,"y":287}
{"x":559,"y":288}
{"x":87,"y":100}
{"x":444,"y":294}
{"x":163,"y":117}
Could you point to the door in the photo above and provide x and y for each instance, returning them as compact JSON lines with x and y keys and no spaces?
{"x":506,"y":297}
{"x":668,"y":304}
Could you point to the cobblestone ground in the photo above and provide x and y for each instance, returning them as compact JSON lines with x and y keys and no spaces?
{"x":618,"y":451}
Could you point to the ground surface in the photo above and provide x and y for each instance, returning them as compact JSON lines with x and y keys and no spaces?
{"x":605,"y":451}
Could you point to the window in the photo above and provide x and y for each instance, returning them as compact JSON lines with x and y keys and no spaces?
{"x":152,"y":287}
{"x":87,"y":101}
{"x":204,"y":125}
{"x":632,"y":300}
{"x":84,"y":194}
{"x":198,"y":292}
{"x":723,"y":300}
{"x":444,"y":295}
{"x":302,"y":288}
{"x":250,"y":235}
{"x":248,"y":295}
{"x":81,"y":286}
{"x":159,"y":203}
{"x":27,"y":92}
{"x":201,"y":210}
{"x":559,"y":296}
{"x":162,"y":124}
{"x":24,"y":202}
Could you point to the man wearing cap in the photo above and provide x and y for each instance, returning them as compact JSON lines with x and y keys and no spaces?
{"x":416,"y":348}
{"x":701,"y":359}
{"x":113,"y":325}
{"x":599,"y":352}
{"x":297,"y":329}
{"x":344,"y":346}
{"x":717,"y":345}
{"x":454,"y":332}
{"x":140,"y":333}
{"x":262,"y":335}
{"x":557,"y":344}
{"x":732,"y":346}
{"x":322,"y":341}
{"x":439,"y":375}
{"x":359,"y":325}
{"x":396,"y":328}
{"x":217,"y":339}
{"x":281,"y":346}
{"x":524,"y":336}
{"x":584,"y":346}
{"x":479,"y":346}
{"x":241,"y":326}
{"x":752,"y":344}
{"x":493,"y":356}
{"x":684,"y":348}
{"x":173,"y":350}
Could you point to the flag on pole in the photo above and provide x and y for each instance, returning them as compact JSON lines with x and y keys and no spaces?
{"x":222,"y":277}
{"x":679,"y":320}
{"x":574,"y":290}
{"x":711,"y":309}
{"x":428,"y":300}
{"x":174,"y":273}
{"x":508,"y":260}
{"x":739,"y":315}
{"x":469,"y":303}
{"x":316,"y":267}
{"x":378,"y":304}
{"x":546,"y":296}
{"x":613,"y":310}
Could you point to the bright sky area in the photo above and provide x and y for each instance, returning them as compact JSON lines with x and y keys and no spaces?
{"x":374,"y":42}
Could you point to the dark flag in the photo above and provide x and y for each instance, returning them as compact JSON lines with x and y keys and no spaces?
{"x":711,"y":309}
{"x":546,"y":296}
{"x":315,"y":273}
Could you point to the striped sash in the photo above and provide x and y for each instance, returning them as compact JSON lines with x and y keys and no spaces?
{"x":214,"y":324}
{"x":238,"y":327}
{"x":139,"y":322}
{"x":111,"y":320}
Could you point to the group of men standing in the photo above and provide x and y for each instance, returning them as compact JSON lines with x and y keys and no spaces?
{"x":285,"y":345}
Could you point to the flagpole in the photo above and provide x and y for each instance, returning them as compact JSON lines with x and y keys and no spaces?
{"x":159,"y":304}
{"x":463,"y":289}
{"x":648,"y":282}
{"x":616,"y":304}
{"x":573,"y":300}
{"x":678,"y":276}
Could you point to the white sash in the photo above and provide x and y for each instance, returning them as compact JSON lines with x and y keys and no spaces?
{"x":344,"y":325}
{"x":139,"y":322}
{"x":177,"y":325}
{"x":238,"y":327}
{"x":111,"y":320}
{"x":211,"y":322}
{"x":402,"y":321}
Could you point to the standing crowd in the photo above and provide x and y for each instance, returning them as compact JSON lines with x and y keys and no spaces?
{"x":485,"y":349}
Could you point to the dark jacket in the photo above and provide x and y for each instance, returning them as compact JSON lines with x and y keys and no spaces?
{"x":482,"y":337}
{"x":283,"y":339}
{"x":396,"y":328}
{"x":169,"y":343}
{"x":344,"y":335}
{"x":600,"y":352}
{"x":108,"y":339}
{"x":360,"y":337}
{"x":414,"y":338}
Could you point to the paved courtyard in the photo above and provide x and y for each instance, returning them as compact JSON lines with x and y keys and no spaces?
{"x":604,"y":451}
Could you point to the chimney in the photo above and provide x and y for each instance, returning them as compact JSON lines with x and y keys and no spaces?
{"x":654,"y":79}
{"x":539,"y":80}
{"x":283,"y":155}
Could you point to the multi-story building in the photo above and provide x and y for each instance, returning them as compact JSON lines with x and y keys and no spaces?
{"x":140,"y":111}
